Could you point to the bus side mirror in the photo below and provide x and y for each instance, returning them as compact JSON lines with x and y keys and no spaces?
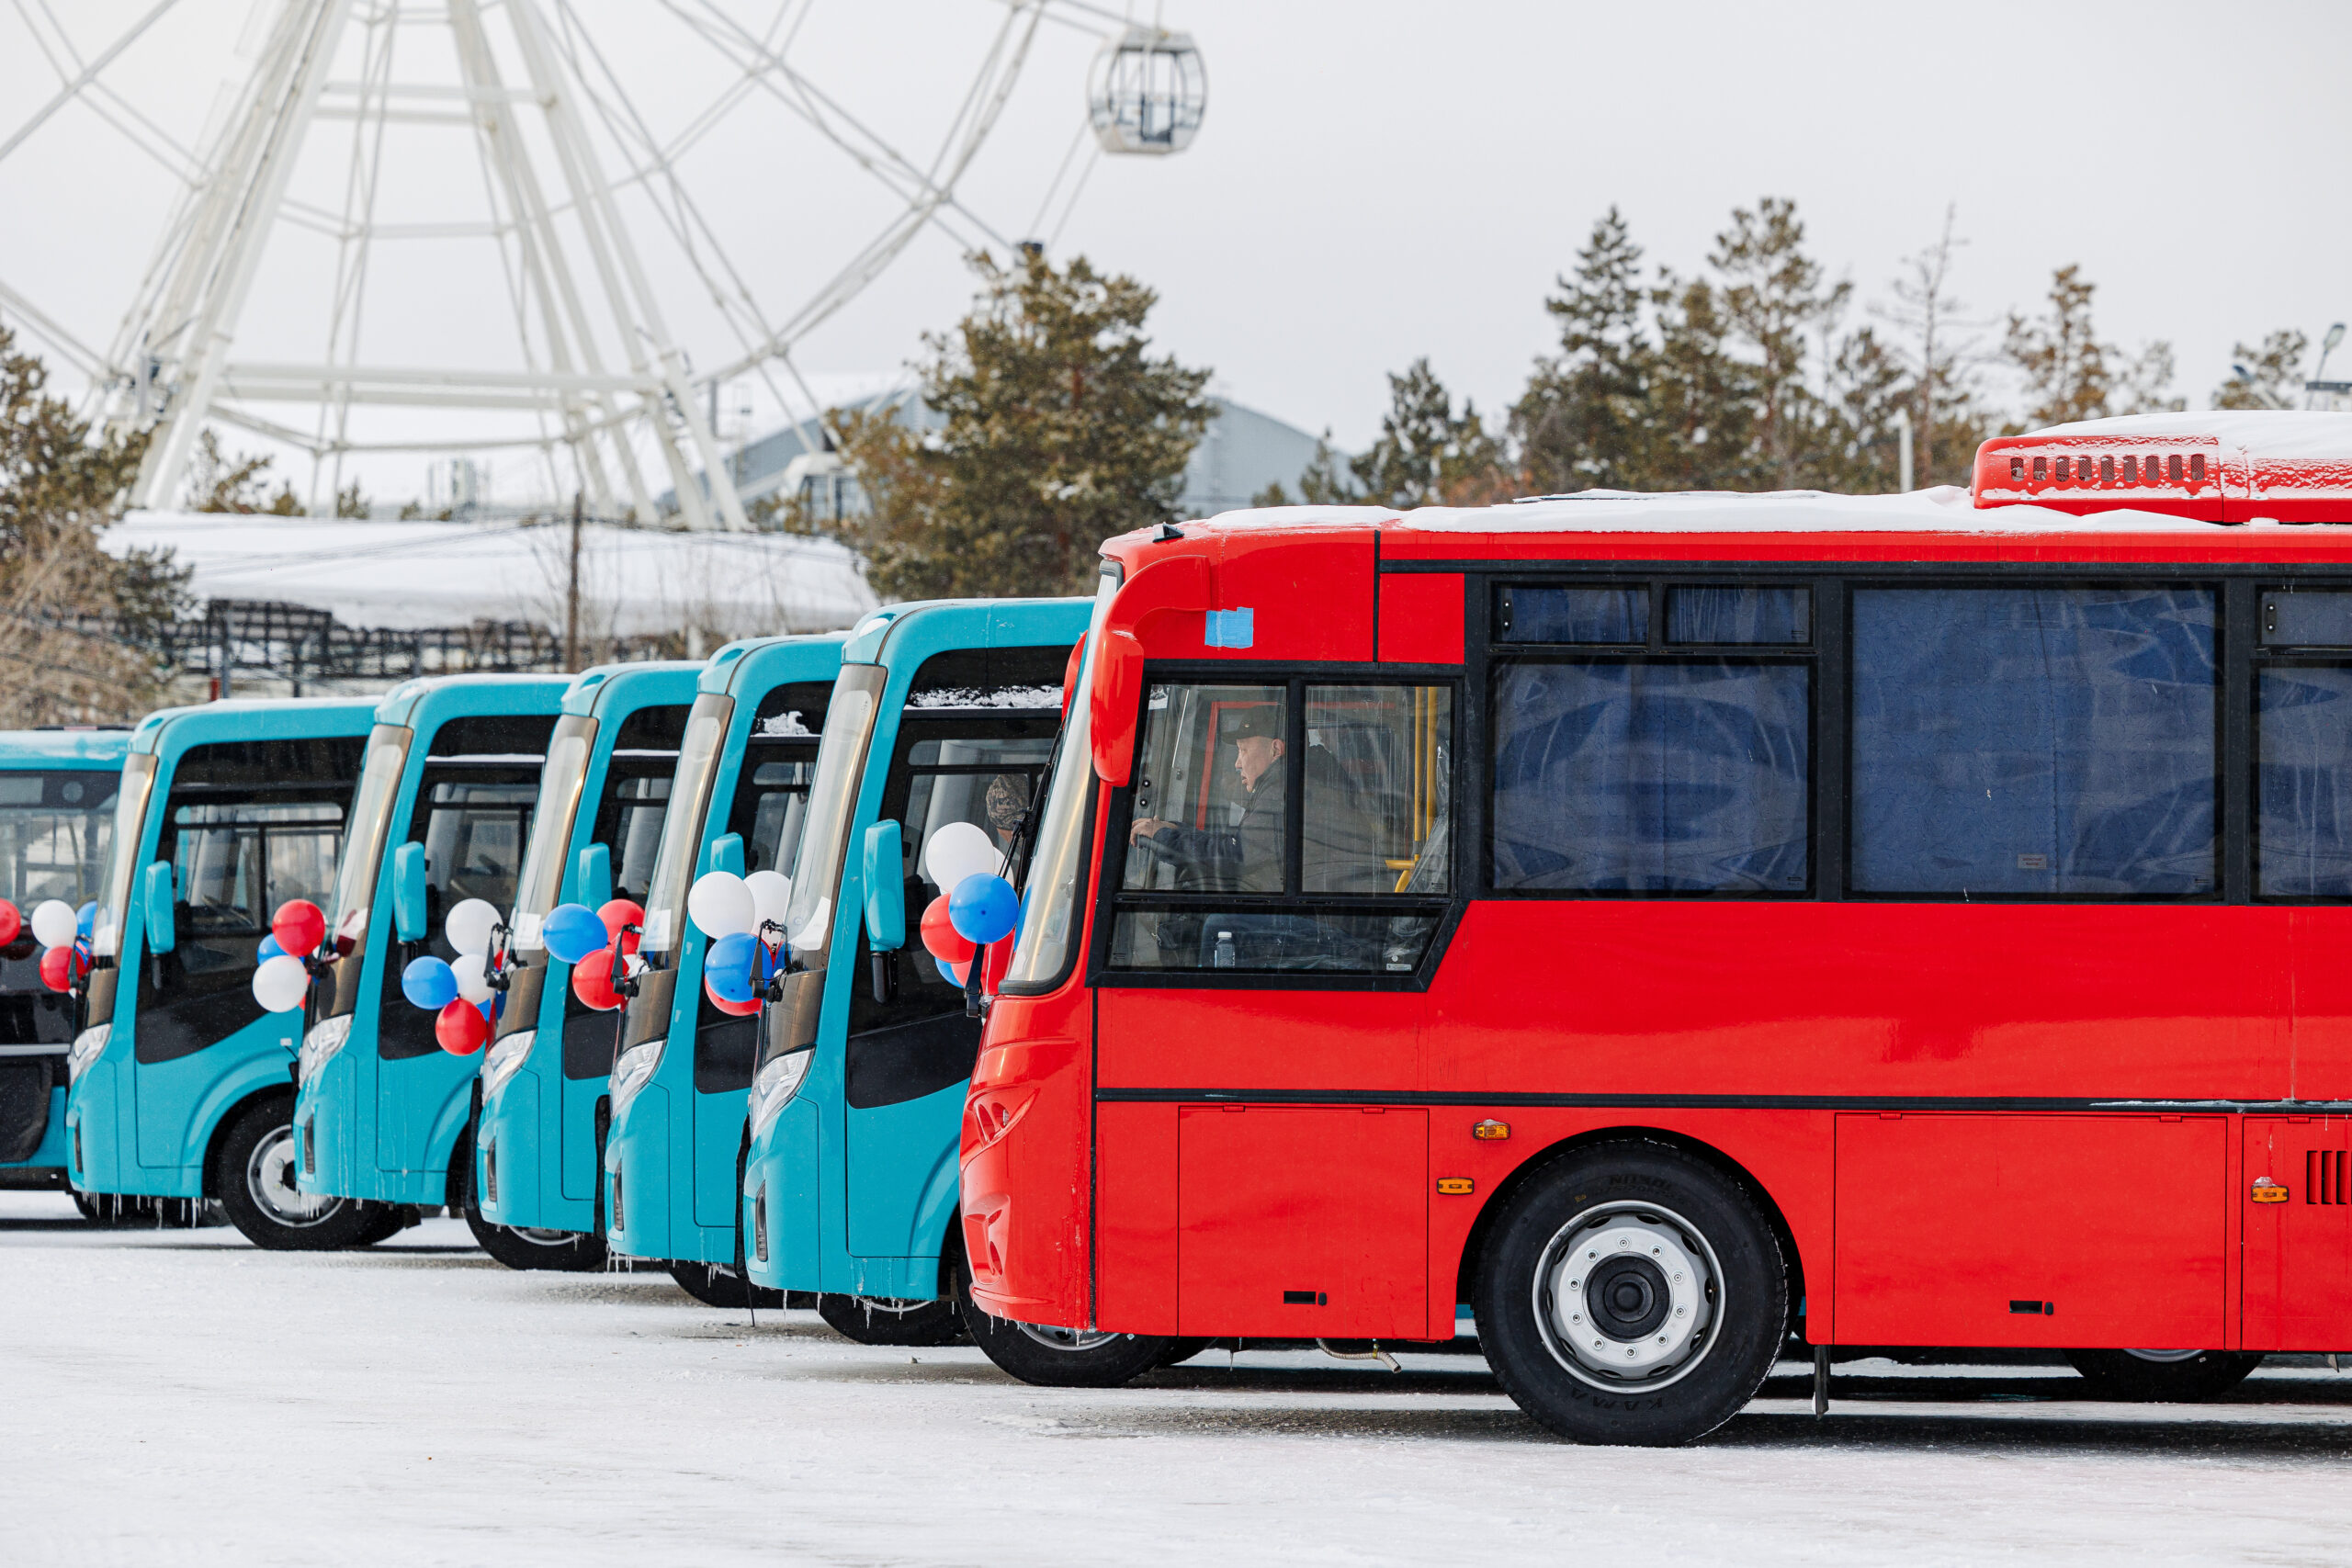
{"x":1118,"y":686}
{"x":596,"y":876}
{"x":886,"y":888}
{"x":155,"y":906}
{"x":726,"y":853}
{"x":408,"y":892}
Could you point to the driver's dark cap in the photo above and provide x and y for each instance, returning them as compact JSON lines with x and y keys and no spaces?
{"x":1265,"y":720}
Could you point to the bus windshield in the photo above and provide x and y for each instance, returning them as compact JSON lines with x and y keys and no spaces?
{"x":682,"y":824}
{"x":380,"y":782}
{"x":558,"y":808}
{"x":1040,"y":949}
{"x":122,"y":853}
{"x":833,"y":799}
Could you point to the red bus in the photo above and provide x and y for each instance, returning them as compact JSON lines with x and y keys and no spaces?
{"x":1667,"y":923}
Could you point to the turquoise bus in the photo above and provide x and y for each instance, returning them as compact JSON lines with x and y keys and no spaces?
{"x":602,"y":795}
{"x":180,"y":1084}
{"x":676,"y":1110}
{"x":443,"y":812}
{"x":945,"y":714}
{"x":56,"y":808}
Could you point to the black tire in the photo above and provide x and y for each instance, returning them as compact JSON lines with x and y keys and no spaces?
{"x":1062,"y":1357}
{"x":717,"y":1284}
{"x":253,"y":1176}
{"x":874,"y":1320}
{"x":388,"y":1221}
{"x":2162,"y":1376}
{"x":1181,"y":1350}
{"x":572,"y":1252}
{"x":1686,"y":1282}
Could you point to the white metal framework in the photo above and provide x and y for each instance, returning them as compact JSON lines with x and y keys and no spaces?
{"x":594,"y":382}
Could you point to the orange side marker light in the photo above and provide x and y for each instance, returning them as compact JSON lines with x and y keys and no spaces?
{"x":1491,"y":1131}
{"x":2268,"y":1191}
{"x":1456,"y":1184}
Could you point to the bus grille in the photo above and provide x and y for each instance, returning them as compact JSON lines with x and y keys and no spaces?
{"x":2323,"y":1176}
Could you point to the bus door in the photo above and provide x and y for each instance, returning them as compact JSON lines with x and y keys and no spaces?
{"x":770,"y":805}
{"x":1290,"y":840}
{"x":473,"y":815}
{"x":54,"y":832}
{"x":248,"y":825}
{"x":980,"y":766}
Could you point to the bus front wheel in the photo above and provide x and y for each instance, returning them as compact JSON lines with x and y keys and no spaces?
{"x":1067,"y":1357}
{"x":716,"y":1284}
{"x":877,"y":1320}
{"x":1630,"y":1294}
{"x":252,"y":1175}
{"x":2162,"y":1376}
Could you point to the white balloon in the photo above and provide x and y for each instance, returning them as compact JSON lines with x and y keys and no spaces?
{"x":770,"y":897}
{"x":280,"y":984}
{"x":472,"y":970}
{"x":957,"y":850}
{"x":469,"y":925}
{"x":721,"y":904}
{"x":54,"y":923}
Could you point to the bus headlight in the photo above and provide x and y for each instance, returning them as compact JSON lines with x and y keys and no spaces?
{"x":629,"y":1074}
{"x":320,"y":1045}
{"x":505,"y":1059}
{"x":775,"y":1086}
{"x":89,"y":1046}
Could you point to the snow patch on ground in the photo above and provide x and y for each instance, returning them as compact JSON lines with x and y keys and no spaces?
{"x":177,"y":1397}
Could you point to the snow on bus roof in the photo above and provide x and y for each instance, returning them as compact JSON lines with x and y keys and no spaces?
{"x":1943,"y":508}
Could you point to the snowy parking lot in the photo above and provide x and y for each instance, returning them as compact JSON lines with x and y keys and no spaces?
{"x":177,"y":1397}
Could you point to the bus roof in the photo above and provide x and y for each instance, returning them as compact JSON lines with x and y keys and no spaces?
{"x":65,"y":748}
{"x":258,"y":716}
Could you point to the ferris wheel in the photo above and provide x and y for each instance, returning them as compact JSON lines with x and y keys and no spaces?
{"x":498,"y":225}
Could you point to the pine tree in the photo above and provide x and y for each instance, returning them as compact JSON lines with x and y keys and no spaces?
{"x":72,"y":620}
{"x":1774,"y":299}
{"x":1587,"y":418}
{"x":1931,"y":337}
{"x":2071,"y":373}
{"x":1427,"y":454}
{"x":1061,"y":431}
{"x":1702,"y":399}
{"x":2270,"y":376}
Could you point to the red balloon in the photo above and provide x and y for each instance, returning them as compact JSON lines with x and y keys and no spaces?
{"x":591,"y":981}
{"x":997,"y":963}
{"x":940,"y":938}
{"x":11,"y":923}
{"x":743,"y":1009}
{"x":61,"y":967}
{"x":461,"y":1028}
{"x":623,"y":912}
{"x":300,"y":926}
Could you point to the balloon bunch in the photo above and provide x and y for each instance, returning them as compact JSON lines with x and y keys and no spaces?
{"x":978,"y":909}
{"x":739,"y":914}
{"x":462,"y":996}
{"x":587,"y":940}
{"x":63,"y":934}
{"x":282,"y":974}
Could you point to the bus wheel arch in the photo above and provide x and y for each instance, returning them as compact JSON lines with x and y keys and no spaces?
{"x":1475,"y":1245}
{"x":245,"y":1154}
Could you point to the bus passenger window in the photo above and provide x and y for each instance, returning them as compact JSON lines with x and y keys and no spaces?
{"x":2303,"y":726}
{"x":2034,"y":742}
{"x":1740,"y":615}
{"x":1653,"y":776}
{"x":1220,"y":874}
{"x":1572,"y":614}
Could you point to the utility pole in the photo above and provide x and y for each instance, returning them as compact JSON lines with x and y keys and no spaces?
{"x":1903,"y":454}
{"x":571,"y":593}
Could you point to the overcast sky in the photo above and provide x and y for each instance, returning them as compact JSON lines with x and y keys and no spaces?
{"x":1385,"y":180}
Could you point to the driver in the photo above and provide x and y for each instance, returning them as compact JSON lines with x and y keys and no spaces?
{"x":1246,"y":857}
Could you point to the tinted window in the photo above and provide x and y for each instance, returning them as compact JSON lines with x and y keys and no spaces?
{"x":1624,"y":777}
{"x":1573,"y":614}
{"x":2032,"y":742}
{"x":1712,"y":615}
{"x":2312,"y":618}
{"x":2305,"y":832}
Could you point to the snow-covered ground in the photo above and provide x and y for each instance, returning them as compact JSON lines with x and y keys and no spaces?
{"x":178,"y":1397}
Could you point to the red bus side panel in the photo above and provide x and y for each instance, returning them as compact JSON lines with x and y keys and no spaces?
{"x":1420,"y":618}
{"x":2323,"y":944}
{"x":2298,"y":1252}
{"x":1302,"y":1222}
{"x":1318,"y":1041}
{"x":1135,"y":1207}
{"x":2031,"y":1230}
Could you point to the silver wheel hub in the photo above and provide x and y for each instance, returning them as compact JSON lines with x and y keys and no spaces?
{"x":1069,"y":1340}
{"x":1628,"y":1296}
{"x":269,"y":1182}
{"x":2166,"y":1357}
{"x":538,"y":1237}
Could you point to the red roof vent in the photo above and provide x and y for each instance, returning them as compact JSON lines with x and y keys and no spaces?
{"x":2216,"y":467}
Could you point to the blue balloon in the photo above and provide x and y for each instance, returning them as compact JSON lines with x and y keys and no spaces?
{"x":267,"y":950}
{"x":572,"y":932}
{"x":727,"y":967}
{"x":429,"y":982}
{"x":86,"y":918}
{"x":948,"y":975}
{"x":983,"y":908}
